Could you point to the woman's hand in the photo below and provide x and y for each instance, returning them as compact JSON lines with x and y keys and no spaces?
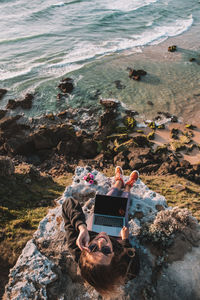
{"x":124,"y":233}
{"x":83,"y":237}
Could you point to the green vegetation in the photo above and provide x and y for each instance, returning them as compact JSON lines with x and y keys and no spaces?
{"x":151,"y":135}
{"x":177,"y":191}
{"x":24,"y":201}
{"x":129,"y":122}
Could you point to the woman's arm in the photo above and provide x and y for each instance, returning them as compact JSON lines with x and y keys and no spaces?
{"x":75,"y":226}
{"x":83,"y":237}
{"x":124,"y":235}
{"x":72,"y":213}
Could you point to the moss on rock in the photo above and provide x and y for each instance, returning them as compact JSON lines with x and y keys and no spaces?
{"x":152,"y":125}
{"x":129,"y":122}
{"x":162,"y":126}
{"x":151,"y":135}
{"x":190,"y":126}
{"x":178,"y":146}
{"x":124,"y":146}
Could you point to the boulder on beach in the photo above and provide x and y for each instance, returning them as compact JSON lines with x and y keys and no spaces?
{"x":172,"y":48}
{"x":167,"y":240}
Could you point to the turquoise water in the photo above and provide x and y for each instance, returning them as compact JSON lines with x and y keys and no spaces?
{"x":43,"y":41}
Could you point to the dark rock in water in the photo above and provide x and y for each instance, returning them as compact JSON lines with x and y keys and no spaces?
{"x":62,"y":114}
{"x":109,"y":103}
{"x":2,"y":93}
{"x":136,"y":77}
{"x":119,"y":85}
{"x":192,"y":59}
{"x":26,"y":103}
{"x":141,"y":72}
{"x":59,"y":96}
{"x":66,"y":85}
{"x":135,"y":74}
{"x":132,"y":72}
{"x":150,"y":103}
{"x":172,"y":48}
{"x":6,"y":166}
{"x":2,"y":113}
{"x":12,"y":104}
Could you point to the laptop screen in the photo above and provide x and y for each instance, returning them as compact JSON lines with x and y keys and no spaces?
{"x":109,"y":205}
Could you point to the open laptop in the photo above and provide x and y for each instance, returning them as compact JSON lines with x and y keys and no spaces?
{"x":110,"y":215}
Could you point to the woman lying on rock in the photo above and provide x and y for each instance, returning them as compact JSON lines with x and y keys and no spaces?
{"x":105,"y":262}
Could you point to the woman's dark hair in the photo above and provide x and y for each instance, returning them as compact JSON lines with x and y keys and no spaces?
{"x":107,"y":279}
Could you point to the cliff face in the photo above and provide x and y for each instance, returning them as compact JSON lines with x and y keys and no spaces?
{"x":168,"y":242}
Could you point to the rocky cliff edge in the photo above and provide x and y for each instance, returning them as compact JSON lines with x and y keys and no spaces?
{"x":168,"y":241}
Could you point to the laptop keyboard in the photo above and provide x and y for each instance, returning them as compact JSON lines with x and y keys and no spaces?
{"x":108,"y":221}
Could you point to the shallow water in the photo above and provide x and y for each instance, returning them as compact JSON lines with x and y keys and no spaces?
{"x":41,"y":42}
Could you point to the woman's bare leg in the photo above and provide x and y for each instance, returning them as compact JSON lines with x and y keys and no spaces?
{"x":127,"y":188}
{"x":118,"y":184}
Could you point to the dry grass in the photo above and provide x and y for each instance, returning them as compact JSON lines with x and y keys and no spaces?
{"x":177,"y":191}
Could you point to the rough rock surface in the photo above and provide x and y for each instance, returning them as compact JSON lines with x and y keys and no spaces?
{"x":6,"y":166}
{"x":45,"y":269}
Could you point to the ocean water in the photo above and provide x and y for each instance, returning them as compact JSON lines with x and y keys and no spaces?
{"x":94,"y":42}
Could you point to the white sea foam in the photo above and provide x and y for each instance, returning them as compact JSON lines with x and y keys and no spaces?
{"x":86,"y":51}
{"x":128,"y":5}
{"x":59,"y":4}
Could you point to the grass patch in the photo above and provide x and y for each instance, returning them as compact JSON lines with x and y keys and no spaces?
{"x":24,"y":202}
{"x":177,"y":191}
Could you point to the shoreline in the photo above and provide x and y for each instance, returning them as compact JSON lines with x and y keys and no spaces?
{"x":155,"y":59}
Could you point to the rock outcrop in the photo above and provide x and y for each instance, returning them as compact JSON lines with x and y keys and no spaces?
{"x":168,"y":241}
{"x":2,"y":93}
{"x":26,"y":103}
{"x":6,"y":166}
